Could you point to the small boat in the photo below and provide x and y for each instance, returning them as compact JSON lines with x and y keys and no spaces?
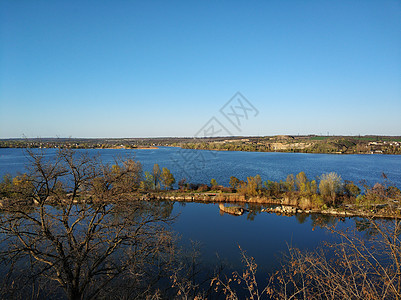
{"x":232,"y":210}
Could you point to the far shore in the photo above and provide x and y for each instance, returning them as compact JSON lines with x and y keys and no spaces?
{"x":130,"y":148}
{"x":369,"y":144}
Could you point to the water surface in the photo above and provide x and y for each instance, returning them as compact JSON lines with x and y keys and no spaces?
{"x":264,"y":236}
{"x":199,"y":166}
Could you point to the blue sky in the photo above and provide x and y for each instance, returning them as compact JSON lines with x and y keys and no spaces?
{"x":164,"y":68}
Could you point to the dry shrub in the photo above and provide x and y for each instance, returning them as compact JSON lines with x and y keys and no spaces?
{"x":354,"y":268}
{"x":203,"y":188}
{"x":305,"y":203}
{"x":220,"y":197}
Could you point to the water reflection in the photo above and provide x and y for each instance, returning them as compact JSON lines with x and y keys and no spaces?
{"x":252,"y":210}
{"x":265,"y":236}
{"x":83,"y":250}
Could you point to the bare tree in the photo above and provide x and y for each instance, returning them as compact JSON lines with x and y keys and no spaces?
{"x":78,"y":240}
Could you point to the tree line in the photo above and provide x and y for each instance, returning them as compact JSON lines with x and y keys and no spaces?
{"x":333,"y":145}
{"x":325,"y":191}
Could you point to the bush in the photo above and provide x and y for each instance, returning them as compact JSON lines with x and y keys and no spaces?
{"x":182,"y":184}
{"x":318,"y":201}
{"x":393,"y":192}
{"x":351,"y":189}
{"x":272,"y":187}
{"x":193,"y":186}
{"x":376,"y":194}
{"x":203,"y":188}
{"x":352,"y":268}
{"x":6,"y":186}
{"x":225,"y":189}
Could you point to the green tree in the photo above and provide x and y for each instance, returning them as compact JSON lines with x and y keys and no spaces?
{"x":234,"y":182}
{"x":272,"y":187}
{"x":330,"y":185}
{"x":251,"y":188}
{"x":213,"y":183}
{"x":6,"y":186}
{"x":17,"y":188}
{"x":253,"y":185}
{"x":258,"y":181}
{"x":313,"y":187}
{"x":126,"y":175}
{"x":302,"y":183}
{"x":290,"y":183}
{"x":351,"y":189}
{"x":156,"y":173}
{"x":167,"y":178}
{"x":148,"y":183}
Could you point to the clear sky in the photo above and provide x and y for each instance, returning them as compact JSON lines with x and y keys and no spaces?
{"x":164,"y":68}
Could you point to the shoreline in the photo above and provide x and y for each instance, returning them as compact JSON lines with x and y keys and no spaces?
{"x":123,"y":148}
{"x":284,"y":206}
{"x":317,"y":144}
{"x":219,"y":150}
{"x":295,"y":152}
{"x":280,"y":206}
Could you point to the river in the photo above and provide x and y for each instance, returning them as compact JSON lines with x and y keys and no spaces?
{"x":264,"y":236}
